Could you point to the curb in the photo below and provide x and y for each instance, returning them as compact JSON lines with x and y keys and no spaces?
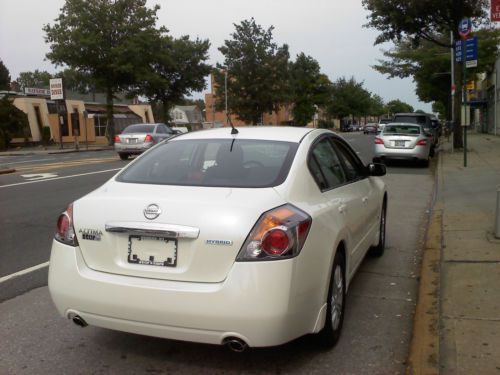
{"x":423,"y":358}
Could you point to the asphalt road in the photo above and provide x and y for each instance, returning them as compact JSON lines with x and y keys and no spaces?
{"x":379,"y":311}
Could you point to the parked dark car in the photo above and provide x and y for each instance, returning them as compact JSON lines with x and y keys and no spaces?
{"x":370,"y":128}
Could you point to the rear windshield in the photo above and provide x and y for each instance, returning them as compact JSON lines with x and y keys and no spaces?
{"x":214,"y":162}
{"x":412,"y":119}
{"x":402,"y":129}
{"x":139,"y":128}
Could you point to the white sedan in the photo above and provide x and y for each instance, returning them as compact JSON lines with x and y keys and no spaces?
{"x":247,"y":239}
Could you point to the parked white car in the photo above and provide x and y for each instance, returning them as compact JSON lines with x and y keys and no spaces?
{"x":247,"y":239}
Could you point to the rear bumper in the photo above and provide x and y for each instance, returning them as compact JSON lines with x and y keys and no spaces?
{"x":256,"y":302}
{"x":419,"y":152}
{"x":132,"y":149}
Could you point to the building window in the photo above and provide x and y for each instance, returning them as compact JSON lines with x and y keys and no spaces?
{"x":100,"y":123}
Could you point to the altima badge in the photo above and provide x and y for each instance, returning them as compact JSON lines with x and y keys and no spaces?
{"x":90,"y":234}
{"x":152,"y":211}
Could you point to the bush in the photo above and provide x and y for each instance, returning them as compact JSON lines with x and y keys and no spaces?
{"x":45,"y":135}
{"x":12,"y":121}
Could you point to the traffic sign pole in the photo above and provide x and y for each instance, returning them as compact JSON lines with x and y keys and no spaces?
{"x":464,"y":29}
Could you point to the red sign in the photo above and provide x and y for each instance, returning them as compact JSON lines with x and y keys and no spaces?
{"x":495,"y":10}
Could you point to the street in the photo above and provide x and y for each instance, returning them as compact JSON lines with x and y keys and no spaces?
{"x":35,"y":339}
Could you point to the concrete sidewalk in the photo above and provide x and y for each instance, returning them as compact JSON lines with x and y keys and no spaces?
{"x":469,"y":292}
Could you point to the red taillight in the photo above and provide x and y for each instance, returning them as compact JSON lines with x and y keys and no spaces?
{"x":65,"y":232}
{"x":378,"y":141}
{"x":148,"y":138}
{"x":278,"y":234}
{"x":275,"y":242}
{"x":117,"y":139}
{"x":422,"y":142}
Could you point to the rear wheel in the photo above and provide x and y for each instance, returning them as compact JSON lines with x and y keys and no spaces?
{"x":378,"y":250}
{"x":330,"y":334}
{"x":123,"y":156}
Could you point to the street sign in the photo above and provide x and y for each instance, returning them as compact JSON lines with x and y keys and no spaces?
{"x":471,"y":46}
{"x":495,"y":10}
{"x":464,"y":27}
{"x":56,"y":89}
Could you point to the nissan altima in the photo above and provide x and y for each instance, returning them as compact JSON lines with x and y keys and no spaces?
{"x":245,"y":238}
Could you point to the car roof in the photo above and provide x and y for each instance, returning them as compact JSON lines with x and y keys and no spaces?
{"x":405,"y":124}
{"x":272,"y":133}
{"x":412,"y":114}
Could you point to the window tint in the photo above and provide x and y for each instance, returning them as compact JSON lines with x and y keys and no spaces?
{"x":139,"y":128}
{"x":402,"y":129}
{"x":214,"y":162}
{"x":352,"y":165}
{"x":328,"y":164}
{"x":412,"y":119}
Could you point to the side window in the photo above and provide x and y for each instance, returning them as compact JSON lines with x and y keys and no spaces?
{"x":160,"y":129}
{"x":352,"y":165}
{"x":325,"y":165}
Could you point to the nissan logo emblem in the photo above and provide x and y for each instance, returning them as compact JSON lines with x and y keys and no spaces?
{"x":152,"y":211}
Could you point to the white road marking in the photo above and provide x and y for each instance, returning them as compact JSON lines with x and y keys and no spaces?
{"x":60,"y":178}
{"x":38,"y":176}
{"x":23,"y":272}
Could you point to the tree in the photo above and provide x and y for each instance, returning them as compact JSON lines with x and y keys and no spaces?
{"x":4,"y":77}
{"x":76,"y":81}
{"x":429,"y":65}
{"x":112,"y":41}
{"x":348,"y":97}
{"x":397,"y":106}
{"x":377,"y":106}
{"x":257,"y":72}
{"x":38,"y":78}
{"x":178,"y":69}
{"x":417,"y":20}
{"x":12,"y":121}
{"x":308,"y":88}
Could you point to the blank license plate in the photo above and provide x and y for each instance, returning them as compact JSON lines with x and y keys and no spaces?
{"x":399,"y":143}
{"x":132,"y":140}
{"x":153,"y":251}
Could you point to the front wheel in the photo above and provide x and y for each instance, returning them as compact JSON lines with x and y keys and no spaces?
{"x":123,"y":156}
{"x":330,"y":334}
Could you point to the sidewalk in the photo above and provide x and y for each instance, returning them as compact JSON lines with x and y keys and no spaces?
{"x":469,"y":293}
{"x":45,"y":150}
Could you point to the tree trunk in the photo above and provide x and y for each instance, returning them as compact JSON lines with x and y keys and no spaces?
{"x":164,"y":111}
{"x":109,"y":116}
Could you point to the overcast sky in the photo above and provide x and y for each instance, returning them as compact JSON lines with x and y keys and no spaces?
{"x":330,"y":31}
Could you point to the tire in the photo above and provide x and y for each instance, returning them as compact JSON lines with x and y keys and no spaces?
{"x":330,"y":334}
{"x":379,"y":249}
{"x":425,"y":163}
{"x":123,"y":156}
{"x":432,"y":151}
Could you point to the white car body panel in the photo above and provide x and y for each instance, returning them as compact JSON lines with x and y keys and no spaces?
{"x":209,"y":296}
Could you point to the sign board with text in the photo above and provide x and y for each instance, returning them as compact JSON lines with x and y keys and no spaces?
{"x":56,"y":89}
{"x":36,"y":91}
{"x":495,"y":11}
{"x":471,"y":47}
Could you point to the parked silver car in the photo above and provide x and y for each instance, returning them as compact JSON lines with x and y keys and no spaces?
{"x":403,"y":141}
{"x":137,"y":138}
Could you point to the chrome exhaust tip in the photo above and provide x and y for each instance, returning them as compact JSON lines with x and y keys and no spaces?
{"x":79,"y":321}
{"x":235,"y":344}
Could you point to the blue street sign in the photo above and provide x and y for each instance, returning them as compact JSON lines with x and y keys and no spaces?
{"x":471,"y":46}
{"x":464,"y":27}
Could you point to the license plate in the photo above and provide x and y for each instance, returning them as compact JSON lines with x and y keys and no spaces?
{"x":399,"y":143}
{"x":132,"y":140}
{"x":152,"y":251}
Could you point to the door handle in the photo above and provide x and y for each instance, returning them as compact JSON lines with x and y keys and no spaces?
{"x":364,"y":199}
{"x":342,"y":208}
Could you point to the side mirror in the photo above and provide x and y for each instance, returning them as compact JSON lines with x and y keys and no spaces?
{"x":376,"y":169}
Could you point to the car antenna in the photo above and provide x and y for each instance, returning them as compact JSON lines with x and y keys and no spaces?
{"x":233,"y":129}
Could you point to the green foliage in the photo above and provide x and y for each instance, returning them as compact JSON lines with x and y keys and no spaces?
{"x":177,"y":69}
{"x":4,"y":77}
{"x":308,"y":88}
{"x":417,"y":20}
{"x":397,"y":106}
{"x":12,"y":121}
{"x":38,"y":78}
{"x":257,"y":72}
{"x":112,"y":41}
{"x":75,"y":80}
{"x":45,"y":135}
{"x":377,"y":106}
{"x":349,"y":97}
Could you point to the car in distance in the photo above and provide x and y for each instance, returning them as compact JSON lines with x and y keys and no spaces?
{"x":247,"y":239}
{"x":382,"y":122}
{"x":403,"y":141}
{"x":137,"y":138}
{"x":370,"y":128}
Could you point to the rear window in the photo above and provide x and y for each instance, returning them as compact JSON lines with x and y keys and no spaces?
{"x":410,"y":119}
{"x":214,"y":162}
{"x":402,"y":129}
{"x":139,"y":128}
